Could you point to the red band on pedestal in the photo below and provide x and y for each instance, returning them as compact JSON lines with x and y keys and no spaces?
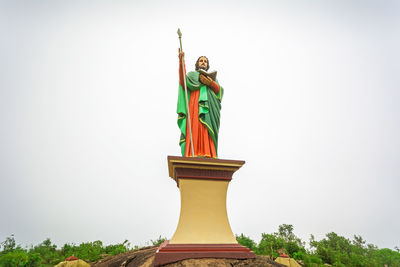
{"x":168,"y":253}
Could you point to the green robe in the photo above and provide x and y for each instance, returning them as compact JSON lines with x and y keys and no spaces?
{"x":209,"y":108}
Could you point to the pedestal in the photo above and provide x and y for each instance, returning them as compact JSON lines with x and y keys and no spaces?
{"x":203,"y":229}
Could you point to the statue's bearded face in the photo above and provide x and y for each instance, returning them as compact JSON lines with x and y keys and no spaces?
{"x":203,"y":63}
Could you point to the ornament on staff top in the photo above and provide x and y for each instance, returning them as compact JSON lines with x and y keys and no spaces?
{"x":199,"y":107}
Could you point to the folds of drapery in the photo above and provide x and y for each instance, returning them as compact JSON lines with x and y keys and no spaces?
{"x":209,"y":107}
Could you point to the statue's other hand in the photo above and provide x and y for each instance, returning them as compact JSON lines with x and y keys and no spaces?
{"x":202,"y":78}
{"x":205,"y":80}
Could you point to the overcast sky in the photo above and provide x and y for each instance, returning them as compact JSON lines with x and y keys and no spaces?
{"x":88,"y":93}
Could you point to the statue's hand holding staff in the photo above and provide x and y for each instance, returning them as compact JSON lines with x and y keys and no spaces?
{"x":181,"y":54}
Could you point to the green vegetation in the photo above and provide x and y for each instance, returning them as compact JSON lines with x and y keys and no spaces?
{"x":333,"y":250}
{"x":159,"y":241}
{"x":47,"y":254}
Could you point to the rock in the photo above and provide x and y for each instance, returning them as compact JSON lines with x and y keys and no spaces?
{"x":145,"y":257}
{"x":142,"y":257}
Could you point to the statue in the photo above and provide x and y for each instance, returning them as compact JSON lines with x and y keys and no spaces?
{"x":200,"y":126}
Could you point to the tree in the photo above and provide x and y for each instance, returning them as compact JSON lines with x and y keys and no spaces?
{"x":9,"y":244}
{"x":286,"y":231}
{"x":247,"y":242}
{"x":270,"y":243}
{"x":387,"y":256}
{"x":48,"y":252}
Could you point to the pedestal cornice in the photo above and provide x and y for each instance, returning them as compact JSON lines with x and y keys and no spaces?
{"x":202,"y":168}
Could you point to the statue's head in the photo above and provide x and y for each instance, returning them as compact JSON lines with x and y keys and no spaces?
{"x":202,"y":63}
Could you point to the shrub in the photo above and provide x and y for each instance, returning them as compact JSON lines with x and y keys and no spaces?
{"x":247,"y":242}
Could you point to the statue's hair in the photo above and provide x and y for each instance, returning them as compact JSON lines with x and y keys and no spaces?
{"x":197,"y":63}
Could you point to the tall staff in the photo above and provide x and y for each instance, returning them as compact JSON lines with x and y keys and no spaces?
{"x":186,"y":95}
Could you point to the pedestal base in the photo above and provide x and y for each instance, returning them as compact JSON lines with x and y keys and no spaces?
{"x":169,"y":253}
{"x":203,"y":229}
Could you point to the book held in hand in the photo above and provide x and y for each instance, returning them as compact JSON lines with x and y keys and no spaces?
{"x":211,"y":74}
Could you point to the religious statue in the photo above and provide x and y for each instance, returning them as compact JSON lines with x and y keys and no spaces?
{"x":200,"y":92}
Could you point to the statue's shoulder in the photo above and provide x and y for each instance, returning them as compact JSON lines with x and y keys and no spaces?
{"x":193,"y":75}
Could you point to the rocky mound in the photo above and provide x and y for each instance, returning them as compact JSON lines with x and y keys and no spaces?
{"x":145,"y":257}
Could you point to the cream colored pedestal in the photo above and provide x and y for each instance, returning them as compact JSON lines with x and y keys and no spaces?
{"x":203,"y":229}
{"x":203,"y":218}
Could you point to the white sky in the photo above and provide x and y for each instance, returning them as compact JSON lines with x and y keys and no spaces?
{"x":88,"y":94}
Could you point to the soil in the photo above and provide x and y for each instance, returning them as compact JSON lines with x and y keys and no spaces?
{"x":144,"y":258}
